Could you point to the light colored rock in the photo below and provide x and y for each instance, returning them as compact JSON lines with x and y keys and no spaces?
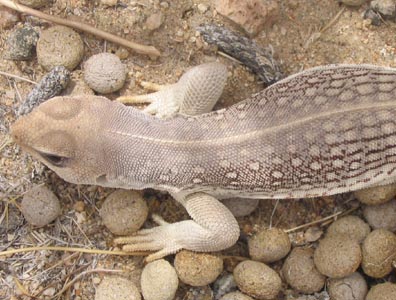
{"x":300,"y":272}
{"x":352,"y":226}
{"x":257,"y":279}
{"x":159,"y":281}
{"x":379,"y":251}
{"x":251,"y":15}
{"x":202,"y":8}
{"x":197,"y":269}
{"x":109,"y":2}
{"x":241,"y":207}
{"x":353,"y":2}
{"x":59,"y":46}
{"x":376,"y":195}
{"x":386,"y":8}
{"x":236,"y":296}
{"x":104,"y":73}
{"x":269,"y":245}
{"x":352,"y":287}
{"x":117,"y":288}
{"x":40,"y":206}
{"x":154,"y":21}
{"x":382,"y":215}
{"x":382,"y":291}
{"x":337,"y":256}
{"x":124,"y":212}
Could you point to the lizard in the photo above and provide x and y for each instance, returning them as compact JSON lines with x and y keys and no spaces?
{"x":322,"y":131}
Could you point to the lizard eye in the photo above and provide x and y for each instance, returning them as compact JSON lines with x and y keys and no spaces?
{"x":54,"y":159}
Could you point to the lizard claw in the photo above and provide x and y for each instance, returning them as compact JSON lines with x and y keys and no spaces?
{"x":165,"y":239}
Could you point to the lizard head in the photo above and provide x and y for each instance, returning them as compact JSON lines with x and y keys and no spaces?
{"x":65,"y":133}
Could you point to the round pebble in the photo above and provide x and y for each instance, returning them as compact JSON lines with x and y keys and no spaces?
{"x":236,"y":296}
{"x":352,"y":226}
{"x":59,"y":46}
{"x":241,"y":207}
{"x":269,"y":245}
{"x":257,"y":279}
{"x":117,"y":288}
{"x":40,"y":206}
{"x":352,"y":287}
{"x":300,"y":272}
{"x":104,"y":73}
{"x":159,"y":281}
{"x":337,"y":256}
{"x":379,"y":250}
{"x":382,"y":291}
{"x":382,"y":215}
{"x":197,"y":269}
{"x":376,"y":195}
{"x":21,"y":43}
{"x":124,"y":212}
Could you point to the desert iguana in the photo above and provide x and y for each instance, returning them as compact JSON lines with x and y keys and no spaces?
{"x":323,"y":131}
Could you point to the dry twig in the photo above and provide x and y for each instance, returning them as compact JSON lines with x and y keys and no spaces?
{"x":139,"y":48}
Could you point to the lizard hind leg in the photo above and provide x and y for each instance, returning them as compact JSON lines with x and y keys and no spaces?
{"x":213,"y":228}
{"x":196,"y":92}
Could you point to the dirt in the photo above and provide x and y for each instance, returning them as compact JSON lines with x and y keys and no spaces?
{"x":301,"y":39}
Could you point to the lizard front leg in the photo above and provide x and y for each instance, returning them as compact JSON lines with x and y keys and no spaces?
{"x":212,"y":228}
{"x":195,"y":93}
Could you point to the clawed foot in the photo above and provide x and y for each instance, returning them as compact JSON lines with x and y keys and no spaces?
{"x":166,"y":238}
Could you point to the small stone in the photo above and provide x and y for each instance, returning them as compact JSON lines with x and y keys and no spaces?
{"x":8,"y":17}
{"x":33,"y":3}
{"x":236,"y":296}
{"x":300,"y":272}
{"x":241,"y":207}
{"x":337,"y":256}
{"x":224,"y":284}
{"x":79,"y":206}
{"x":197,"y":269}
{"x":376,"y":195}
{"x":40,"y":206}
{"x":159,"y":281}
{"x":77,"y":87}
{"x":21,"y":43}
{"x":269,"y":245}
{"x":382,"y":291}
{"x":59,"y":46}
{"x":109,"y":2}
{"x":257,"y":279}
{"x":164,"y":4}
{"x":124,"y":212}
{"x":251,"y":15}
{"x":122,"y":53}
{"x":387,"y":8}
{"x":381,"y":216}
{"x":352,"y":226}
{"x":117,"y":288}
{"x":353,"y":2}
{"x":379,"y":251}
{"x":202,"y":8}
{"x":154,"y":21}
{"x":352,"y":287}
{"x":104,"y":73}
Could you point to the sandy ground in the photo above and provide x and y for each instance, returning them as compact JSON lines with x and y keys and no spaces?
{"x":299,"y":42}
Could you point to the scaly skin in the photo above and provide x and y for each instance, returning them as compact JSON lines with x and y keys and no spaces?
{"x":324,"y":131}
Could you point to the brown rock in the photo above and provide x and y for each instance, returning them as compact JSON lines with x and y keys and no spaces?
{"x":154,"y":21}
{"x":251,"y":15}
